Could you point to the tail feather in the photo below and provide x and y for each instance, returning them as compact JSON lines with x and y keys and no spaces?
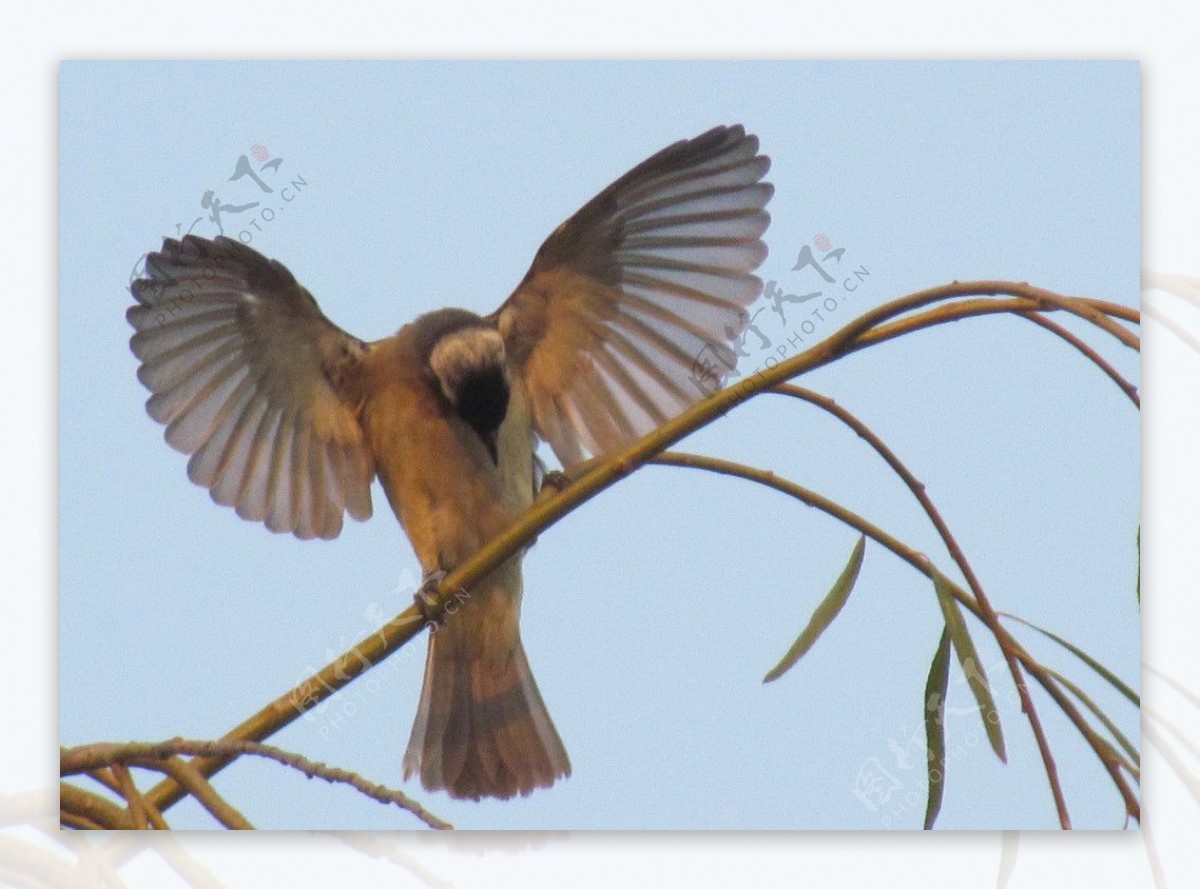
{"x":482,"y":729}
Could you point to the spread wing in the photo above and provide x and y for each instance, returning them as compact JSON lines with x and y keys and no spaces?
{"x":254,"y":383}
{"x":626,"y":315}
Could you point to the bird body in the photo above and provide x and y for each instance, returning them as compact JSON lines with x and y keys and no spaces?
{"x":482,"y":725}
{"x":288,"y":419}
{"x":435,"y":468}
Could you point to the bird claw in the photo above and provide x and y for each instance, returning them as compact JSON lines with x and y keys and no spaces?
{"x":556,"y":480}
{"x":550,"y":483}
{"x":426,"y":598}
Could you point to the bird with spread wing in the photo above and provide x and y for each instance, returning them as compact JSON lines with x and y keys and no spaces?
{"x":288,"y":419}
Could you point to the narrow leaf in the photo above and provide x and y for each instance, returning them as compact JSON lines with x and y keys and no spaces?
{"x":969,"y":659}
{"x":1116,"y":733}
{"x":824,"y":614}
{"x":935,"y":728}
{"x":1100,"y":669}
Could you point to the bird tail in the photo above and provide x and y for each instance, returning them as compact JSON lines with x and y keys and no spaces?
{"x":482,"y":729}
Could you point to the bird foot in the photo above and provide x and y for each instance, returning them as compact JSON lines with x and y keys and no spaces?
{"x":426,"y":598}
{"x":555,"y":481}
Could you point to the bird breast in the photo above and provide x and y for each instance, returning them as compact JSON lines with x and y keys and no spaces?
{"x":442,"y":483}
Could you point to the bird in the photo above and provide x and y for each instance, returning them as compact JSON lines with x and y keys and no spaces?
{"x":288,"y":419}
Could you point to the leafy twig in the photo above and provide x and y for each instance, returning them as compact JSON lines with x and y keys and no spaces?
{"x":1134,"y":765}
{"x":989,"y":615}
{"x":1107,"y":756}
{"x":1112,"y":679}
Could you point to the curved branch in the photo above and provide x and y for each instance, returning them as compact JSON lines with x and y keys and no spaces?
{"x":138,"y":807}
{"x":163,"y":756}
{"x":199,"y":787}
{"x":1095,"y":311}
{"x":1054,"y":327}
{"x":86,"y":806}
{"x":1133,"y":765}
{"x":105,"y":778}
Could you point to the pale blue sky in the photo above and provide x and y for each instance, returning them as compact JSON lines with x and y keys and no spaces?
{"x":652,"y":613}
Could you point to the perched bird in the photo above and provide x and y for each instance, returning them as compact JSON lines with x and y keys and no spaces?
{"x":288,"y":419}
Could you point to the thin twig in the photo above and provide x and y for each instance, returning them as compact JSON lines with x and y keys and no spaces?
{"x":105,"y":778}
{"x":957,"y":311}
{"x":990,"y":618}
{"x":93,"y":807}
{"x":1133,"y":763}
{"x":1107,"y":675}
{"x":1090,"y":313}
{"x":84,"y":757}
{"x":200,"y":788}
{"x":1128,"y":388}
{"x":1095,"y":311}
{"x":157,"y":822}
{"x":137,"y":806}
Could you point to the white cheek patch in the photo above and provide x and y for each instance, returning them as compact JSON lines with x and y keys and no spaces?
{"x":465,"y":352}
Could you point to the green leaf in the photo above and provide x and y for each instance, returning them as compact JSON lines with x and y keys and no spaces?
{"x":1100,"y":669}
{"x":1114,"y":730}
{"x":977,"y":680}
{"x":935,"y":728}
{"x":824,"y":614}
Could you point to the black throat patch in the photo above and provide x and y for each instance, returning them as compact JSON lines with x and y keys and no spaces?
{"x":482,"y":403}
